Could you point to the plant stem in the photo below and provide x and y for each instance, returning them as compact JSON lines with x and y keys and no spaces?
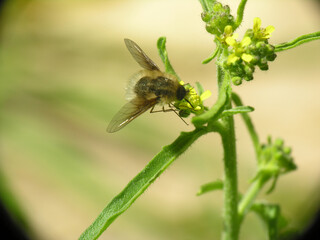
{"x":248,"y":199}
{"x":230,"y":212}
{"x":204,"y":5}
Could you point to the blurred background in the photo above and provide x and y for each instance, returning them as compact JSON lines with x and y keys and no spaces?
{"x":63,"y":71}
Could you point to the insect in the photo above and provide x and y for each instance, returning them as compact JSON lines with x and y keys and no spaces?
{"x":146,"y":89}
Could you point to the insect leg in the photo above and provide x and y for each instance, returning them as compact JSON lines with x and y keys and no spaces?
{"x":170,"y":109}
{"x":163,"y":110}
{"x":175,"y":111}
{"x":189,"y":102}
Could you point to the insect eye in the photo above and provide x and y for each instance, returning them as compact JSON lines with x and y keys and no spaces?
{"x":181,"y":93}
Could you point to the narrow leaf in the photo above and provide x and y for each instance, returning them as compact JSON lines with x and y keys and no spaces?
{"x":240,"y":12}
{"x":236,"y":110}
{"x":161,"y":44}
{"x":199,"y":88}
{"x":247,"y":120}
{"x":273,"y":185}
{"x":140,"y":183}
{"x":211,"y":186}
{"x":298,"y":41}
{"x":209,"y":59}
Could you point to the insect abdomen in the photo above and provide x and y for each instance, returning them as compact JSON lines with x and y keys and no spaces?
{"x":160,"y":87}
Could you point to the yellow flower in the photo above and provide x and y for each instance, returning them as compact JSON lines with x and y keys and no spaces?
{"x":231,"y":41}
{"x":205,"y":95}
{"x":228,"y":34}
{"x":232,"y":58}
{"x":192,"y":101}
{"x":246,"y":57}
{"x":239,"y":50}
{"x":245,"y":42}
{"x":261,"y":33}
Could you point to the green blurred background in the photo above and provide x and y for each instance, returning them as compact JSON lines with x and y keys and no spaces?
{"x":63,"y":70}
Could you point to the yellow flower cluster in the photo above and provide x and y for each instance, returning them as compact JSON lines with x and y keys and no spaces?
{"x":240,"y":49}
{"x":192,"y":101}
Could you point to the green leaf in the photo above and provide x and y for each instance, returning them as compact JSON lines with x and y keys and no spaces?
{"x":298,"y":41}
{"x":247,"y":120}
{"x":270,"y":214}
{"x":273,"y":185}
{"x":161,"y":44}
{"x":199,"y":88}
{"x":236,"y":110}
{"x":211,"y":186}
{"x":240,"y":12}
{"x":141,"y":182}
{"x":209,"y":59}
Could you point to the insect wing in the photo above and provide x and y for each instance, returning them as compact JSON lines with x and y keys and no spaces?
{"x":129,"y":112}
{"x":141,"y":58}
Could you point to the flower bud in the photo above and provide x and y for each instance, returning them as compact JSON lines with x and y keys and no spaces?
{"x":287,"y":150}
{"x":271,"y":57}
{"x":279,"y":142}
{"x":270,"y":48}
{"x":217,"y":7}
{"x":217,"y":18}
{"x":260,"y":45}
{"x":237,"y":80}
{"x":248,"y":69}
{"x":205,"y":17}
{"x":248,"y":77}
{"x":263,"y":67}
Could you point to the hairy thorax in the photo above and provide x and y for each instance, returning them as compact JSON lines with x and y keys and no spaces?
{"x":154,"y":84}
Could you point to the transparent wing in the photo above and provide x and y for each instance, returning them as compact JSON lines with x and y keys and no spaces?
{"x":141,"y":58}
{"x":128,"y":112}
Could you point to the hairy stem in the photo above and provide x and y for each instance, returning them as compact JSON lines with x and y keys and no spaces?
{"x":230,"y":212}
{"x":204,"y":5}
{"x":224,"y":88}
{"x":230,"y":209}
{"x":250,"y":196}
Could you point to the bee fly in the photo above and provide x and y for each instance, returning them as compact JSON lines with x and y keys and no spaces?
{"x":146,"y":89}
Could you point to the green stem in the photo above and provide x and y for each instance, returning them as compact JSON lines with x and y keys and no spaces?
{"x":204,"y":5}
{"x":230,"y":212}
{"x":298,"y":41}
{"x":224,"y":89}
{"x":230,"y":209}
{"x":250,"y":196}
{"x":247,"y":120}
{"x":240,"y":12}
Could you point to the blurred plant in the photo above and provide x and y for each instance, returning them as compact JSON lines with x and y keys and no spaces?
{"x":235,"y":61}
